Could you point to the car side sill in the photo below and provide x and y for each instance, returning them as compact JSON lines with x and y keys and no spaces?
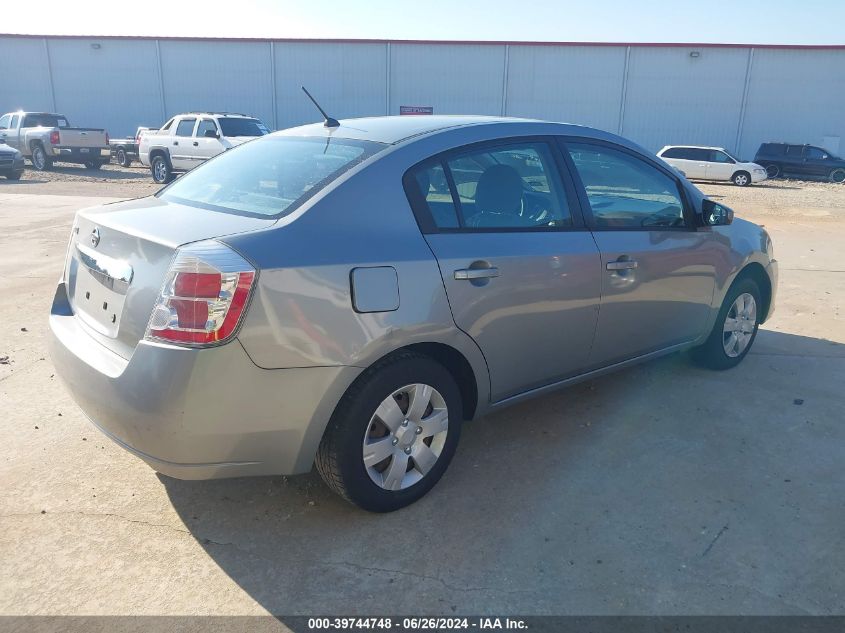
{"x":538,"y":391}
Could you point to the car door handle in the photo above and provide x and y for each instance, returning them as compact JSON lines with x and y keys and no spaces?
{"x":622,"y":265}
{"x":176,"y":142}
{"x":196,"y":143}
{"x":476,"y":273}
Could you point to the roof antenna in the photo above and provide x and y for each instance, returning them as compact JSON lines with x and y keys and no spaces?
{"x":329,"y":121}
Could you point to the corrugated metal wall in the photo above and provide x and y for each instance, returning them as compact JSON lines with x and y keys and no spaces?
{"x":734,"y":97}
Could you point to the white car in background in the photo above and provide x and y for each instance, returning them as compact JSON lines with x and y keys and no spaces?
{"x":190,"y":139}
{"x":711,"y":163}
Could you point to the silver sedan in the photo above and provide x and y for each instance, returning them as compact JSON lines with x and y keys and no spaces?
{"x":349,"y":295}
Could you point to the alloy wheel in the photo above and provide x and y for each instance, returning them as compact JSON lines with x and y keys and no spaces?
{"x":39,"y":158}
{"x":405,"y":436}
{"x":739,"y":325}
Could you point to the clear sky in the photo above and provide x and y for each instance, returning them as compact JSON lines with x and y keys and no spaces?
{"x":720,"y":21}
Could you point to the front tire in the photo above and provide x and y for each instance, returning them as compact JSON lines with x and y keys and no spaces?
{"x":40,"y":160}
{"x":161,"y":170}
{"x":735,"y":329}
{"x":741,"y":179}
{"x":837,"y":176}
{"x":392,"y":434}
{"x":14,"y":175}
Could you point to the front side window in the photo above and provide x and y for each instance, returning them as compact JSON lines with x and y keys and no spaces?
{"x":814,"y":153}
{"x":624,"y":191}
{"x":268,"y":177}
{"x":238,"y":126}
{"x":206,"y":125}
{"x":185,"y":127}
{"x":717,"y":156}
{"x":501,"y":187}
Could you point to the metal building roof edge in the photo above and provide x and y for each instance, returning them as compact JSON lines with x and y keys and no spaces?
{"x":434,"y":42}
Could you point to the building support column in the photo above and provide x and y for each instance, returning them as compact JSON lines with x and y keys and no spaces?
{"x":624,"y":94}
{"x":749,"y":64}
{"x":505,"y":80}
{"x":273,"y":85}
{"x":163,"y":103}
{"x":387,"y":79}
{"x":54,"y":107}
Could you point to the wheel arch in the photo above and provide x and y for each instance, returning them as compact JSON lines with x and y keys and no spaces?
{"x":757,"y":274}
{"x":741,"y":171}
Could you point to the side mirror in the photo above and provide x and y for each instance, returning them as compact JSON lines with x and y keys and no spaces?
{"x":212,"y":134}
{"x":716,"y":214}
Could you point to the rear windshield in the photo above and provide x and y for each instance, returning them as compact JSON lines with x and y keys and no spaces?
{"x":271,"y":176}
{"x":242,"y":127}
{"x":44,"y":120}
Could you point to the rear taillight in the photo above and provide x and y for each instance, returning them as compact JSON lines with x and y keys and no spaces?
{"x":204,"y":296}
{"x":55,"y":139}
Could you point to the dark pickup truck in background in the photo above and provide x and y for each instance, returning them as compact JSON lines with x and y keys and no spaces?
{"x":786,"y":159}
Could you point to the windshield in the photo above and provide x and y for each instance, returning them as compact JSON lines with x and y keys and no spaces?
{"x":268,"y":177}
{"x":242,"y":127}
{"x":732,"y":156}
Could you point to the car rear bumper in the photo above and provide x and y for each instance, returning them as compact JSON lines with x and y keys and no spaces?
{"x":81,"y":154}
{"x":197,"y":413}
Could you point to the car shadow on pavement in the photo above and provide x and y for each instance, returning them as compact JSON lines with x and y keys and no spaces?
{"x":663,"y":488}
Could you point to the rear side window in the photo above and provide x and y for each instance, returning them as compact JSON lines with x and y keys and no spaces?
{"x":794,"y":151}
{"x":677,"y":152}
{"x":495,"y":188}
{"x":438,"y":198}
{"x":185,"y":127}
{"x":270,"y":176}
{"x":626,"y":192}
{"x":234,"y":126}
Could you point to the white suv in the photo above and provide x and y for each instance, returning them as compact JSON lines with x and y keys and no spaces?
{"x":711,"y":163}
{"x":188,"y":140}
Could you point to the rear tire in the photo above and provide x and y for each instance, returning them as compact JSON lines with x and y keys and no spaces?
{"x":741,"y":179}
{"x":378,"y":418}
{"x":837,"y":176}
{"x":773,"y":171}
{"x":123,"y":158}
{"x":160,"y":169}
{"x":39,"y":158}
{"x":735,"y":329}
{"x":93,"y":164}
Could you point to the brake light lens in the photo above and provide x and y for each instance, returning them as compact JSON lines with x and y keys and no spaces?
{"x":55,"y":139}
{"x":204,"y":296}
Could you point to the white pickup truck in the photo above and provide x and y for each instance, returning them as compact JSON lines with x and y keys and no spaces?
{"x":44,"y":137}
{"x":190,"y":139}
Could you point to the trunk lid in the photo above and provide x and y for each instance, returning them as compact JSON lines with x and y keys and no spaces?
{"x":118,"y":257}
